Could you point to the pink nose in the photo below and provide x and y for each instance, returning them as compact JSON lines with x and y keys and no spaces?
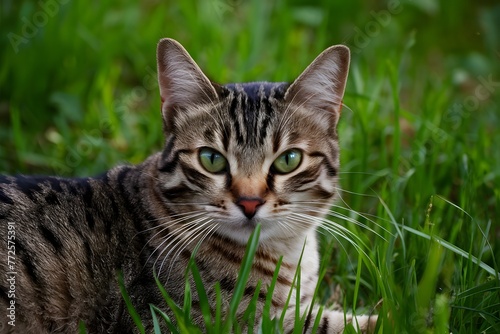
{"x":249,"y":205}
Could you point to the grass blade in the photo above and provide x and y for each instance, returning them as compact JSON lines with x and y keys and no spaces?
{"x":202,"y":296}
{"x":171,"y":327}
{"x":249,"y":315}
{"x":267,"y":322}
{"x":130,"y":307}
{"x":454,"y":249}
{"x":243,"y":275}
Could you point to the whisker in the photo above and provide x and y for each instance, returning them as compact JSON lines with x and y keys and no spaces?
{"x":180,"y":214}
{"x":189,"y":203}
{"x":351,"y":220}
{"x":169,"y":221}
{"x":326,"y":233}
{"x":166,"y":225}
{"x":336,"y":228}
{"x":336,"y":213}
{"x":183,"y":238}
{"x":211,"y":230}
{"x":150,"y":175}
{"x":345,"y":106}
{"x":364,"y":215}
{"x":353,"y":172}
{"x":286,"y":227}
{"x":174,"y":238}
{"x":339,"y":191}
{"x":347,"y":218}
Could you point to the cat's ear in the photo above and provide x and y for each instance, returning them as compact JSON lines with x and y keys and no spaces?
{"x":182,"y":83}
{"x":321,"y":86}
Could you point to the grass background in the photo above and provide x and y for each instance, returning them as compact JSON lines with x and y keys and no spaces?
{"x":420,"y":134}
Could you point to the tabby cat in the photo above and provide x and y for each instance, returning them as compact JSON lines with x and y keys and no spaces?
{"x":235,"y":156}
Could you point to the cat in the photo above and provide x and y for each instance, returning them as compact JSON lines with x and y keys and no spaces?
{"x":235,"y":156}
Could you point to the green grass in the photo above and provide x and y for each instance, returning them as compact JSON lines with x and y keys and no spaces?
{"x":419,"y":133}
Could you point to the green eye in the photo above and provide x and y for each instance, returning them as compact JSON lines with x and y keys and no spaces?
{"x":212,"y":161}
{"x":288,"y":161}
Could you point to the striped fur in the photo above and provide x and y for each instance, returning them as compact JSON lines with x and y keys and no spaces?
{"x":73,"y":235}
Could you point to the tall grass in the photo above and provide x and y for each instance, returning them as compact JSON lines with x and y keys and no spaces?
{"x":419,"y":130}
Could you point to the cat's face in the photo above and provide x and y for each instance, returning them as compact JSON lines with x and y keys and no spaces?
{"x":243,"y":154}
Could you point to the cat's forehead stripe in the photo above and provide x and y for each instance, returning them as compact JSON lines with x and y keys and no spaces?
{"x":251,"y":110}
{"x":259,"y":90}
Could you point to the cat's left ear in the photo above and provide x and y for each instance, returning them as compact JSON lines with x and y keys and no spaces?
{"x":182,"y":83}
{"x":321,"y":86}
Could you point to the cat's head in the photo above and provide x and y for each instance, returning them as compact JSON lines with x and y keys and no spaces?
{"x":242,"y":154}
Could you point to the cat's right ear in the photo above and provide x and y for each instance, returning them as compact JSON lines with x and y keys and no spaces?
{"x":182,"y":83}
{"x":321,"y":86}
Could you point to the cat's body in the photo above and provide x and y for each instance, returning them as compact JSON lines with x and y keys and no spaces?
{"x":235,"y":156}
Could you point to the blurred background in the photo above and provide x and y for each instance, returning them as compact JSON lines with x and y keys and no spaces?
{"x":419,"y":134}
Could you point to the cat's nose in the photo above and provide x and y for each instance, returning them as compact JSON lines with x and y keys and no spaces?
{"x":249,"y":205}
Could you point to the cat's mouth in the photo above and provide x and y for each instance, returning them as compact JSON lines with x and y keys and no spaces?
{"x":244,"y":224}
{"x":239,"y":229}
